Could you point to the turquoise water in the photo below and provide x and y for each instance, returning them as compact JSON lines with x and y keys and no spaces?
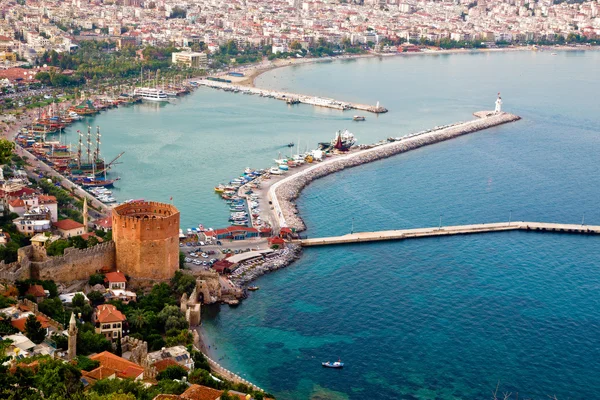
{"x":437,"y":318}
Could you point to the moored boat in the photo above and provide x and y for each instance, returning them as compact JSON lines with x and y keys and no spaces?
{"x":358,"y":118}
{"x":335,"y":364}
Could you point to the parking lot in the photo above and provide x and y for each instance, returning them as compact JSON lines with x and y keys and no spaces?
{"x":201,"y":256}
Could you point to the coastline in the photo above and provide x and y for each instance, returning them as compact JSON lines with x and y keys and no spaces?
{"x":254,"y":71}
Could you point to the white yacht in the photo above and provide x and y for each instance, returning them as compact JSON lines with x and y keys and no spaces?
{"x":151,"y":94}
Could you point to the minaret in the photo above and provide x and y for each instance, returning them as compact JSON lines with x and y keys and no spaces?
{"x":72,"y":352}
{"x":85,"y":215}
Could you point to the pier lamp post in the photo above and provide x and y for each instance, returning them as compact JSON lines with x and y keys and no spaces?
{"x":440,"y":227}
{"x":352,"y":228}
{"x":583,"y":219}
{"x":509,"y":217}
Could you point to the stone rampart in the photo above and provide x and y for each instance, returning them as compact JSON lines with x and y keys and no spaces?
{"x":34,"y":309}
{"x":75,"y":264}
{"x":147,"y":239}
{"x":14,"y":271}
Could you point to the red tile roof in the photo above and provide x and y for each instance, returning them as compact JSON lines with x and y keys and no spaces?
{"x":46,"y":199}
{"x":115,"y":277}
{"x":104,"y":222}
{"x":164,"y":364}
{"x":106,"y":313}
{"x":197,"y":392}
{"x":230,"y":229}
{"x":67,"y":224}
{"x":86,"y":236}
{"x":123,"y":367}
{"x":100,"y":373}
{"x":36,"y":291}
{"x":17,"y":203}
{"x":20,"y":323}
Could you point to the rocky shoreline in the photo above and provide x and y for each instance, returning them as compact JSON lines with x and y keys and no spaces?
{"x":288,"y":190}
{"x":253,"y":270}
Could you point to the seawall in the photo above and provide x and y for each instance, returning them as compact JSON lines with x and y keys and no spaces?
{"x":283,"y":193}
{"x":416,"y":233}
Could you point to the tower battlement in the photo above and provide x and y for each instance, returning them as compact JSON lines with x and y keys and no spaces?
{"x":146,"y":236}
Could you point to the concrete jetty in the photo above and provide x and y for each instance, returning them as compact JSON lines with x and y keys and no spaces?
{"x":293,"y":98}
{"x":284,"y":192}
{"x":361,"y":237}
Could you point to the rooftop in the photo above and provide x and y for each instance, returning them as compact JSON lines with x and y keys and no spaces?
{"x":106,"y":313}
{"x":67,"y":224}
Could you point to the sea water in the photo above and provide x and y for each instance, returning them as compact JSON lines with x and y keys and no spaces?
{"x":434,"y":318}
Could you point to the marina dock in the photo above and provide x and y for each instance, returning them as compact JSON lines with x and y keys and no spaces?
{"x":292,"y":98}
{"x":362,"y":237}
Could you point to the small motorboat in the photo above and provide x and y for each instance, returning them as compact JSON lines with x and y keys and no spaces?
{"x":253,"y":288}
{"x":358,"y":118}
{"x":335,"y":364}
{"x":291,"y":144}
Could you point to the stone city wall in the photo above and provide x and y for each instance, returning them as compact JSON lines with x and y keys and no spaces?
{"x":75,"y":264}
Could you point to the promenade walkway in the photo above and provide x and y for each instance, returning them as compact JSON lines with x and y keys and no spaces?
{"x":361,"y":237}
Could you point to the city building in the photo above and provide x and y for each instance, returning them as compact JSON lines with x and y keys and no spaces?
{"x":109,"y":321}
{"x":68,"y":228}
{"x":190,"y":59}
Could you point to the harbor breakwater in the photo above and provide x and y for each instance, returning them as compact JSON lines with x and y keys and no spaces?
{"x":291,"y":98}
{"x":283,"y":193}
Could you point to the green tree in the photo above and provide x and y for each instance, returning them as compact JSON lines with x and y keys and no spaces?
{"x":92,"y":241}
{"x":86,"y":363}
{"x":183,"y":283}
{"x":34,"y":330}
{"x":78,"y":242}
{"x":61,"y":341}
{"x":6,"y":150}
{"x":172,"y":372}
{"x":96,"y":279}
{"x":89,"y":342}
{"x":96,"y":297}
{"x":53,"y":308}
{"x":119,"y":348}
{"x":226,"y":396}
{"x":79,"y":300}
{"x":57,"y":248}
{"x":295,"y":45}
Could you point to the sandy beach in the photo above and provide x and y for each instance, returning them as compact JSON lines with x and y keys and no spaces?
{"x":251,"y":72}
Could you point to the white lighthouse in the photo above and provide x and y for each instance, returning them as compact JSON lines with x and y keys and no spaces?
{"x":498,"y":108}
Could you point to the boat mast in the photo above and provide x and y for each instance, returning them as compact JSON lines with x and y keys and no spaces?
{"x":79,"y":150}
{"x":89,"y":144}
{"x":97,"y":152}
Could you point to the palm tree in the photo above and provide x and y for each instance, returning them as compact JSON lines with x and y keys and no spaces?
{"x":138,"y":318}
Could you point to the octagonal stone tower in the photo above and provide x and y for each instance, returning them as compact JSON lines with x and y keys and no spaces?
{"x":146,"y":236}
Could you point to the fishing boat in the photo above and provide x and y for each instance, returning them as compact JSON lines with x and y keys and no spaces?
{"x":283,"y":167}
{"x":343,"y":140}
{"x":253,"y":288}
{"x":358,"y":118}
{"x":335,"y":364}
{"x":275,"y":171}
{"x":219,"y":189}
